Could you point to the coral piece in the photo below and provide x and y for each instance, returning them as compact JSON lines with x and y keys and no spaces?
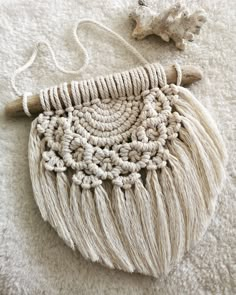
{"x":174,"y":23}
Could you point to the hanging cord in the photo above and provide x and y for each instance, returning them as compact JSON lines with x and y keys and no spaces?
{"x":31,"y":60}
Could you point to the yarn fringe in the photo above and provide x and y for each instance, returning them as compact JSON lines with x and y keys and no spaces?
{"x":148,"y":226}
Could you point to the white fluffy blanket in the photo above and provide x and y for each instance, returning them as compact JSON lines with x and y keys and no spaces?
{"x":33,"y":259}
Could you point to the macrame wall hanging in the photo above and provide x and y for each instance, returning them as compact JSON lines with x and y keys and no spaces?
{"x":127,"y":167}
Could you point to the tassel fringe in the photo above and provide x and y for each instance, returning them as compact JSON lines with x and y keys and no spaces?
{"x":147,"y":226}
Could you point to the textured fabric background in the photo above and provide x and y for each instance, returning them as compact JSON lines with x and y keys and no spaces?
{"x":33,"y":259}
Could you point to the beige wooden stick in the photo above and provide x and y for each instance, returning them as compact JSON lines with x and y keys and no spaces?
{"x":190,"y":74}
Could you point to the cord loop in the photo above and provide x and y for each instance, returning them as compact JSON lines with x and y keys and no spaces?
{"x":38,"y":45}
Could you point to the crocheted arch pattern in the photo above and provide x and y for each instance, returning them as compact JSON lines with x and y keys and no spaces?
{"x":111,"y":138}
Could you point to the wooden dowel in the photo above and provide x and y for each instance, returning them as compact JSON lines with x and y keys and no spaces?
{"x":190,"y":74}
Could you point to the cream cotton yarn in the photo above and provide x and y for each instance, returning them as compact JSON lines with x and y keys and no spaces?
{"x":126,"y":168}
